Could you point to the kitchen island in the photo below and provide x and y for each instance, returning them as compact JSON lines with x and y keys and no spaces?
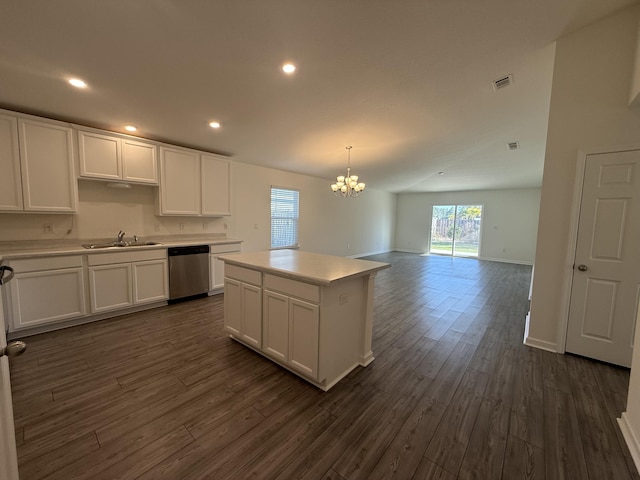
{"x":310,"y":313}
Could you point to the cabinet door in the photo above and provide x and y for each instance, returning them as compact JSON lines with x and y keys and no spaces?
{"x":150,"y":281}
{"x":251,"y":331}
{"x":232,"y":306}
{"x":46,"y":161}
{"x":304,"y":323}
{"x":215,"y":186}
{"x":99,"y":156}
{"x":276,"y":325}
{"x":139,"y":162}
{"x":110,"y":287}
{"x":39,"y":298}
{"x":179,"y":182}
{"x":11,"y":191}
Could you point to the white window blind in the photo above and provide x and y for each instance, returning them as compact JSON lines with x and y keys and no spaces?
{"x":284,"y":217}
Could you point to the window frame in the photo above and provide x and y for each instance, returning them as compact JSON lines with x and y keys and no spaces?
{"x":295,"y":217}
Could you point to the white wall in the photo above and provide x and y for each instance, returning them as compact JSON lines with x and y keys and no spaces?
{"x":328,"y":224}
{"x":345,"y":227}
{"x":588,"y":112}
{"x":509,"y":222}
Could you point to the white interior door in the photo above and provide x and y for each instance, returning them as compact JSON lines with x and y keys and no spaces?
{"x":606,"y":275}
{"x":8,"y":457}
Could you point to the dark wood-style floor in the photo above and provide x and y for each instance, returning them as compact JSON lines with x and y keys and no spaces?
{"x":453,"y":394}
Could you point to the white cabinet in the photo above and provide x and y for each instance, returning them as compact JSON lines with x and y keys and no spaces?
{"x":215,"y":176}
{"x":124,"y":279}
{"x":243,"y":313}
{"x":37,"y":160}
{"x":46,"y":162}
{"x":150,"y":281}
{"x":216,"y":266}
{"x":45,"y":290}
{"x":193,"y":183}
{"x":112,"y":157}
{"x":11,"y":191}
{"x":291,"y":325}
{"x":110,"y":287}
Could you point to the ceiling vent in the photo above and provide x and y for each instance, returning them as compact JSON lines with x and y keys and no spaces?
{"x":513,"y":145}
{"x":502,"y":82}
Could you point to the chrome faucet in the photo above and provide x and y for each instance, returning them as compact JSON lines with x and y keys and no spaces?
{"x":121,"y":235}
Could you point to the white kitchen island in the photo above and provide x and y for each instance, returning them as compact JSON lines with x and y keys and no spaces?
{"x":310,"y":313}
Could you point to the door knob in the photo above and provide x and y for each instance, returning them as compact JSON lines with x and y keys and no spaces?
{"x":583,"y":268}
{"x":13,"y":349}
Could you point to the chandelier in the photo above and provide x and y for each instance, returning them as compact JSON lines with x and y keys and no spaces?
{"x":347,"y":186}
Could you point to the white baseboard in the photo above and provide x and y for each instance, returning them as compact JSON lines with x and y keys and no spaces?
{"x":403,"y":250}
{"x":631,"y":437}
{"x":369,"y":253}
{"x":537,"y":343}
{"x":505,"y":260}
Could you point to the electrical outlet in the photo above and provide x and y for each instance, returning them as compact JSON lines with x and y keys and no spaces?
{"x":47,"y":228}
{"x":205,"y":226}
{"x":181,"y":226}
{"x":156,"y":227}
{"x":226,"y":226}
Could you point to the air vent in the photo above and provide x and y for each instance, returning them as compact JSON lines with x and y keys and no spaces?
{"x":502,"y":82}
{"x":513,"y":145}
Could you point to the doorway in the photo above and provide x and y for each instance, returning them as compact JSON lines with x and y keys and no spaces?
{"x":455,"y":230}
{"x":606,"y":280}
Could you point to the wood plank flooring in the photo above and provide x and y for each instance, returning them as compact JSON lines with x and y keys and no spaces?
{"x":452,"y":394}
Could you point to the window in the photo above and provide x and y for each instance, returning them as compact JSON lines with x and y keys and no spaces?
{"x":284,"y":217}
{"x":455,"y":230}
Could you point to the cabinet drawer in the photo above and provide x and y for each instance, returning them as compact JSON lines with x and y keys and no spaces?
{"x":227,"y":248}
{"x":243,"y":274}
{"x":293,"y":288}
{"x":45,"y":263}
{"x":126,"y":257}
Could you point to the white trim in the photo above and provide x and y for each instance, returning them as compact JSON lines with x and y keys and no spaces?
{"x":536,"y":343}
{"x":631,"y":437}
{"x":504,"y":260}
{"x":379,"y":252}
{"x":567,"y":282}
{"x":565,"y":299}
{"x":405,"y":250}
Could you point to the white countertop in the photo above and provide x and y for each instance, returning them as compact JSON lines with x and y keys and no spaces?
{"x":306,"y":266}
{"x":43,"y":248}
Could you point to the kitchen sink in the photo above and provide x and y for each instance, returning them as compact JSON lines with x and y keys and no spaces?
{"x":119,"y":244}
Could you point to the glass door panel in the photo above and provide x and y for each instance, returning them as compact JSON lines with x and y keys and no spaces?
{"x":467,"y":231}
{"x":455,"y":230}
{"x":443,"y":220}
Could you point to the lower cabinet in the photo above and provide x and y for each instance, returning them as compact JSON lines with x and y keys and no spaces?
{"x":216,"y":266}
{"x":123,"y":279}
{"x":291,"y":328}
{"x":243,"y":311}
{"x":45,"y":290}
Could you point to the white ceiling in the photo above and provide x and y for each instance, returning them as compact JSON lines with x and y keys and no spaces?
{"x":407,"y":83}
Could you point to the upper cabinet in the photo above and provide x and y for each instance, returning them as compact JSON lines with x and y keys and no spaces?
{"x":11,"y":191}
{"x":38,"y":157}
{"x":193,"y":183}
{"x":111,"y":157}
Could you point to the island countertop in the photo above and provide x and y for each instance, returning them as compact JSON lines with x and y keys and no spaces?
{"x":313,"y":268}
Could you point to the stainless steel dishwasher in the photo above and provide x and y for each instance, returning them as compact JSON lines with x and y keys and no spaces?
{"x":188,"y":271}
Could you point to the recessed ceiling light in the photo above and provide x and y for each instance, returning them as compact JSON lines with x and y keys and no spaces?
{"x":288,"y":68}
{"x":440,"y":173}
{"x":130,"y":128}
{"x":76,"y":82}
{"x":215,"y":124}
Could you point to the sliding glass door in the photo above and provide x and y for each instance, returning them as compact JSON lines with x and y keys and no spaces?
{"x":455,"y":230}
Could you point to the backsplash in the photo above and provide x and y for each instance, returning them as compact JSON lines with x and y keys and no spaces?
{"x":102,"y":213}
